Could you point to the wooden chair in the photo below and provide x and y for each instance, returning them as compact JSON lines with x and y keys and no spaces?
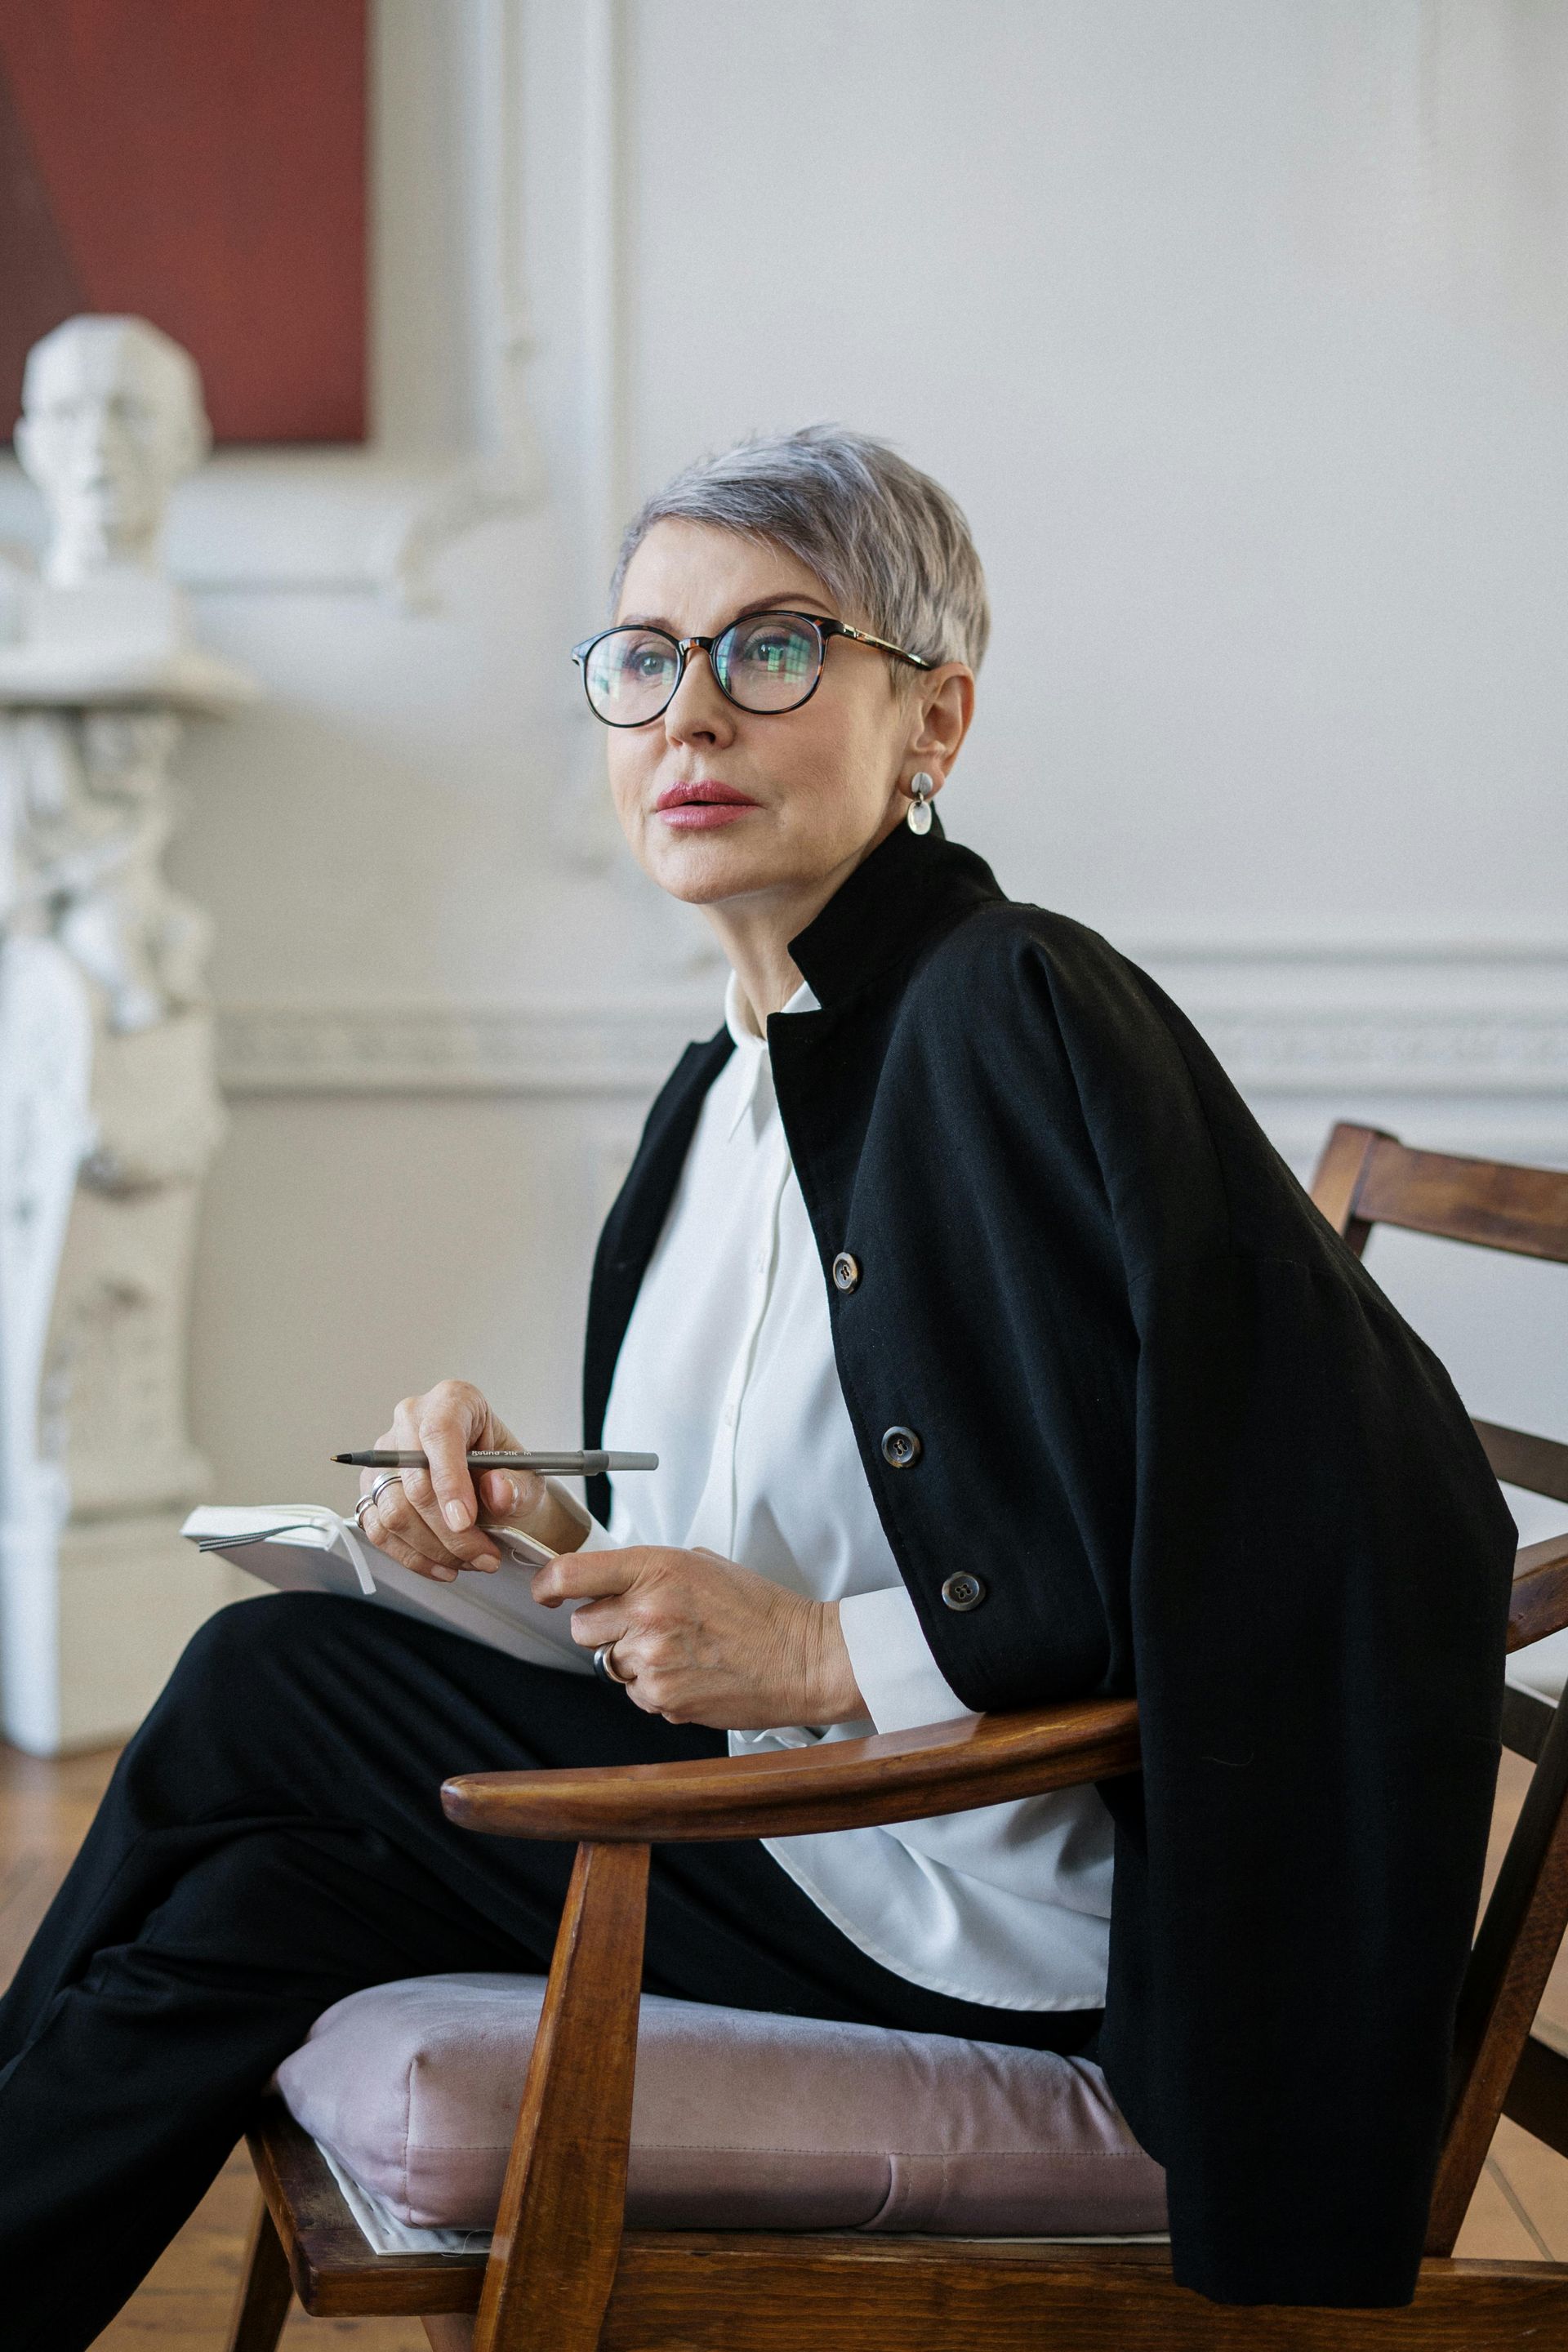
{"x":563,"y":2275}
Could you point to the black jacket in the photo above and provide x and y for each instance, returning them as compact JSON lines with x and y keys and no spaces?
{"x":1194,"y":1453}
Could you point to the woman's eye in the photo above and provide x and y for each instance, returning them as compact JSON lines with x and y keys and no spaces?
{"x":773,"y":654}
{"x":645,"y":662}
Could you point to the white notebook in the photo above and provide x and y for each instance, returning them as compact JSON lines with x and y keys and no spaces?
{"x":305,"y":1547}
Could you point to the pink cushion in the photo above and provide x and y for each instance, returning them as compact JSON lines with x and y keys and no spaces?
{"x":743,"y":2120}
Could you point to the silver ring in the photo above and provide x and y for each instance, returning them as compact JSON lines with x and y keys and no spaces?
{"x":368,"y":1502}
{"x":603,"y":1667}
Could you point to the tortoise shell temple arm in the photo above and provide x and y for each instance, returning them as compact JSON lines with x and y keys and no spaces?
{"x":864,"y":637}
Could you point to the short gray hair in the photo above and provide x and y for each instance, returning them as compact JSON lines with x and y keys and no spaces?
{"x":888,"y":543}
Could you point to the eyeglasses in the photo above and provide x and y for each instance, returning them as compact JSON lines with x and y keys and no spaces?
{"x":766,"y":662}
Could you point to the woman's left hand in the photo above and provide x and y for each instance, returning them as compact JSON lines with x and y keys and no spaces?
{"x":702,"y":1640}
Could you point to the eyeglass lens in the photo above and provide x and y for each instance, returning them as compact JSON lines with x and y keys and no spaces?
{"x":770,"y":661}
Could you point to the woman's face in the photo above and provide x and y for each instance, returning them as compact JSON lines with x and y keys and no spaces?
{"x":805,"y":794}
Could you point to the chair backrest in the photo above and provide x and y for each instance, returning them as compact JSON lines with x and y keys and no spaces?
{"x":1367,"y":1178}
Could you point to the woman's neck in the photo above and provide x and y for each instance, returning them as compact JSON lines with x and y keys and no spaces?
{"x":755,"y":929}
{"x":758,"y":955}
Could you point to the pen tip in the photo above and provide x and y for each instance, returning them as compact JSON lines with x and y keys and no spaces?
{"x":339,"y":1457}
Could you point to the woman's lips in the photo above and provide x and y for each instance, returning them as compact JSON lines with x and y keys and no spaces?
{"x":701,"y":808}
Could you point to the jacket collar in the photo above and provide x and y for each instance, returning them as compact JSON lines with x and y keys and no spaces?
{"x":912,"y":887}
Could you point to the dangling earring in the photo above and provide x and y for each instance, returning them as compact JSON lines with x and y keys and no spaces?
{"x":920,"y":790}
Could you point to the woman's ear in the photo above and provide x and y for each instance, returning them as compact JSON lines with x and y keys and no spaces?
{"x":946,"y":707}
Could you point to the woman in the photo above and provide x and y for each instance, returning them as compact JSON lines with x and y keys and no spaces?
{"x":992,"y":1357}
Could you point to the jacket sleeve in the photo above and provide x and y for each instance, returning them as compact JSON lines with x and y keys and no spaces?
{"x":1318,"y":1588}
{"x":1302,"y":1550}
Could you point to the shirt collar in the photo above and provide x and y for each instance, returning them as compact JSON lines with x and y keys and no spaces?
{"x":911,"y":888}
{"x":740,"y":1021}
{"x":754,"y":1067}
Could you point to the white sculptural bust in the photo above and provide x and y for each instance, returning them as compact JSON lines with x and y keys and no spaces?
{"x":112,"y":420}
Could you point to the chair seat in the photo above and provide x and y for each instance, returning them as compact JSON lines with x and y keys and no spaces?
{"x":742,"y":2120}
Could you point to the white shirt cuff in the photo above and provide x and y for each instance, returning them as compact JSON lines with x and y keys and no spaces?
{"x":899,"y":1680}
{"x":598,"y":1539}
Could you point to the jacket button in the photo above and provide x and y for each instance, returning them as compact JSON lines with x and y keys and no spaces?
{"x":962,"y":1591}
{"x":845,"y":1271}
{"x":901,"y":1447}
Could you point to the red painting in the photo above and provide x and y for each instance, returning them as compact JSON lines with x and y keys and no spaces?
{"x":200,"y":164}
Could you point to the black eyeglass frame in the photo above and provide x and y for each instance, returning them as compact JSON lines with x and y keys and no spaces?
{"x":824,"y":627}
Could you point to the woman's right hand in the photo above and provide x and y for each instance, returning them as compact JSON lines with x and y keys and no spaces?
{"x":427,"y":1522}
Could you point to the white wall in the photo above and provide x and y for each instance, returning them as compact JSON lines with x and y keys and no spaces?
{"x":1240,"y":332}
{"x":1270,"y":484}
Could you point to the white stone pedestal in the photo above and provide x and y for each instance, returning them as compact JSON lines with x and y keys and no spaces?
{"x":108,"y":1116}
{"x":109,"y":1108}
{"x":92,"y":1622}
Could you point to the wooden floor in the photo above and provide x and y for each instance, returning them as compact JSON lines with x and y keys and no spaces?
{"x":1520,"y":2210}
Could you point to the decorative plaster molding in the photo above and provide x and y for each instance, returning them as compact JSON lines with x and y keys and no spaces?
{"x":567,"y":1049}
{"x":1398,"y":1017}
{"x":1433,"y":954}
{"x":1292,"y":1025}
{"x":1332,"y":1052}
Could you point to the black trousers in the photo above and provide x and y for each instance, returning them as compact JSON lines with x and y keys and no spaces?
{"x":273,"y":1840}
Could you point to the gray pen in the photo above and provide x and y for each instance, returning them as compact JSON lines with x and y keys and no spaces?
{"x":549,"y":1465}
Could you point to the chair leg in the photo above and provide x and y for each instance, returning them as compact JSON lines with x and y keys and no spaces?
{"x":265,"y":2290}
{"x":450,"y":2331}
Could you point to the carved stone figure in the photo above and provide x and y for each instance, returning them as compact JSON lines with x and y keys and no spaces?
{"x":111,"y":420}
{"x":97,"y":818}
{"x":109,"y":1108}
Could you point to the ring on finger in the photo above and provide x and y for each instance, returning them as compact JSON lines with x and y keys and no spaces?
{"x":605,"y":1670}
{"x":368,"y":1502}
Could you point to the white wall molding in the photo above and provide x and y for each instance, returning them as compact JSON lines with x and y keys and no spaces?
{"x":1339,"y":1017}
{"x":607,"y":171}
{"x":579,"y":70}
{"x":1432,"y":954}
{"x":1327,"y":1051}
{"x":1295,"y":1023}
{"x":486,"y":1049}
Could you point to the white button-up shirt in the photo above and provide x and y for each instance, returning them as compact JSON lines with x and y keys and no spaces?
{"x":727,"y":1372}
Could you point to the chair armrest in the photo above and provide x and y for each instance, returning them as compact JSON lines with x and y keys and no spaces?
{"x":1538,"y":1605}
{"x":839,"y":1784}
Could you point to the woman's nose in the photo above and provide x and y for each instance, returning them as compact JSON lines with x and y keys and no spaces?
{"x":699,"y":712}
